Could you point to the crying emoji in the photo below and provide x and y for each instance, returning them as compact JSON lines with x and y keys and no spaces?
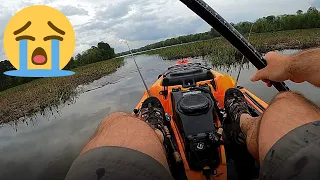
{"x":39,"y":42}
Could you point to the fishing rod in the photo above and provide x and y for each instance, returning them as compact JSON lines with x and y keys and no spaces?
{"x":242,"y":60}
{"x":134,"y":59}
{"x":232,"y":35}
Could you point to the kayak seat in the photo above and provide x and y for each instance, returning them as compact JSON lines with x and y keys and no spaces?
{"x":186,"y":75}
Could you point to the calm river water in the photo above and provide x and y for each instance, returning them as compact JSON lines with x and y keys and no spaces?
{"x":45,"y":147}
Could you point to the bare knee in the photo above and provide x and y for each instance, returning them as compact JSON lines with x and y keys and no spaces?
{"x":122,"y":130}
{"x":286,"y":112}
{"x":287,"y":96}
{"x":294,"y":100}
{"x":111,"y":119}
{"x":115,"y":115}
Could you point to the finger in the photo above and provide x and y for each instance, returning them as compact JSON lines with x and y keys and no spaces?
{"x":260,"y":75}
{"x":268,"y":82}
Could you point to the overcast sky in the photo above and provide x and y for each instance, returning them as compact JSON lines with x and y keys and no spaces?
{"x":142,"y":22}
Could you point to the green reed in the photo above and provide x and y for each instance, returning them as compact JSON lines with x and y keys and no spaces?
{"x":38,"y":95}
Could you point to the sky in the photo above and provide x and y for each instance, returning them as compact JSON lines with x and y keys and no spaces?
{"x":142,"y":22}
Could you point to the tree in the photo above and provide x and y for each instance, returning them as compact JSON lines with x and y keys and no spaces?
{"x":7,"y":82}
{"x":214,"y":33}
{"x":71,"y":64}
{"x":102,"y":51}
{"x":244,"y":27}
{"x":103,"y":45}
{"x":312,"y":10}
{"x":310,"y":19}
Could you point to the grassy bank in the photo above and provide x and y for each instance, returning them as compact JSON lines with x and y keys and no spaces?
{"x":27,"y":99}
{"x":222,"y":52}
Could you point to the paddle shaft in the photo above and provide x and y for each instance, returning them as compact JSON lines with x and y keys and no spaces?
{"x":231,"y":34}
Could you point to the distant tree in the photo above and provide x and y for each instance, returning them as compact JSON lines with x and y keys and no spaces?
{"x":214,"y":33}
{"x":7,"y":82}
{"x":103,"y":45}
{"x":102,"y":51}
{"x":310,"y":19}
{"x":244,"y":27}
{"x":71,"y":64}
{"x":312,"y":10}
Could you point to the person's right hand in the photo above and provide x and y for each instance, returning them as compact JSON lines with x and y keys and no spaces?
{"x":277,"y":69}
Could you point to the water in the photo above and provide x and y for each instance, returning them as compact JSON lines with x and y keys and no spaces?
{"x":46,"y":147}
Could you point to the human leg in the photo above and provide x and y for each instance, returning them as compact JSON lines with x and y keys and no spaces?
{"x":250,"y":127}
{"x":122,"y":130}
{"x":285,"y":113}
{"x":123,"y":147}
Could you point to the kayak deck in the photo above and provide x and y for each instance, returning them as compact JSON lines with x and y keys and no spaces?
{"x":221,"y":84}
{"x":182,"y":77}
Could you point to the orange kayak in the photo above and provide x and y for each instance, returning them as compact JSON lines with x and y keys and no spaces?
{"x":192,"y":96}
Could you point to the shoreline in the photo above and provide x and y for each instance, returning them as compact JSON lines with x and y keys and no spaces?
{"x":222,"y":52}
{"x":26,"y":100}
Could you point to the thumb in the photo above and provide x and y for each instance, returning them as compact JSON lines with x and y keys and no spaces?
{"x":260,"y":75}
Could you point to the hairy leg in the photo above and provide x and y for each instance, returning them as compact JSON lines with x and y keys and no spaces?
{"x":285,"y":113}
{"x":250,"y":126}
{"x":123,"y":130}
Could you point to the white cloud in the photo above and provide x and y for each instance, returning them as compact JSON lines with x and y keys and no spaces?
{"x":146,"y":21}
{"x":72,"y":10}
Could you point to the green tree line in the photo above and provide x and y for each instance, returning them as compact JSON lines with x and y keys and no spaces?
{"x":300,"y":20}
{"x":101,"y":52}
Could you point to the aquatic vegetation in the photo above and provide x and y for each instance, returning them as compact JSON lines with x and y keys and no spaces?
{"x":36,"y":96}
{"x":222,"y":52}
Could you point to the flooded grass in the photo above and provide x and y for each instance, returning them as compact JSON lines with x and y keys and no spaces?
{"x":222,"y":52}
{"x":47,"y":93}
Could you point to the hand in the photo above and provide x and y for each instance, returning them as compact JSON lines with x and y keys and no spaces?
{"x":276,"y":70}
